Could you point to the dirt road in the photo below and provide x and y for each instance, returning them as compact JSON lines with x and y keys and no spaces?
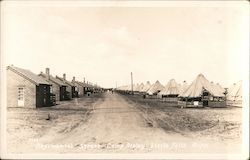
{"x":113,"y":125}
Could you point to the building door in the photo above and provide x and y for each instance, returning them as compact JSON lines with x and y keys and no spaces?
{"x":205,"y":103}
{"x":20,"y":97}
{"x":62,"y":93}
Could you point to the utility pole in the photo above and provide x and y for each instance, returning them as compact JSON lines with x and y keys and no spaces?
{"x":132,"y":83}
{"x":84,"y":90}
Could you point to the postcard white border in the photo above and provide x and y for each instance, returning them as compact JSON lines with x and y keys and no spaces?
{"x":245,"y":53}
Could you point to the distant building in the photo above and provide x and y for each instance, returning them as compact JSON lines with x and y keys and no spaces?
{"x":71,"y":88}
{"x":79,"y":88}
{"x":26,"y":89}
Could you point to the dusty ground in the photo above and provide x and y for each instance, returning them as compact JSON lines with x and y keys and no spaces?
{"x":113,"y":123}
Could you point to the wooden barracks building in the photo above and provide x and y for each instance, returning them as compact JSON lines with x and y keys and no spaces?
{"x":71,"y":88}
{"x":58,"y":87}
{"x":26,"y":89}
{"x":79,"y":88}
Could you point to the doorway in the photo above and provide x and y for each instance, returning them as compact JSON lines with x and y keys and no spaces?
{"x":205,"y":103}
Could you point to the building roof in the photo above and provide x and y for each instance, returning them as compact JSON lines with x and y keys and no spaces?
{"x":53,"y":79}
{"x":32,"y":77}
{"x":62,"y":80}
{"x":172,"y":88}
{"x":82,"y":84}
{"x":77,"y":83}
{"x":197,"y":86}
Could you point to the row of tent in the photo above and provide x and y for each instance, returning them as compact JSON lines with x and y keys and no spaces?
{"x":185,"y":90}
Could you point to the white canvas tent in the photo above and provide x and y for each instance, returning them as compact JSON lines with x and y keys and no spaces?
{"x":128,"y":88}
{"x":140,"y":88}
{"x":183,"y":87}
{"x":124,"y":88}
{"x":218,"y":88}
{"x":155,"y":88}
{"x":136,"y":87}
{"x":146,"y":87}
{"x":202,"y":93}
{"x":172,"y":88}
{"x":197,"y":86}
{"x":234,"y":95}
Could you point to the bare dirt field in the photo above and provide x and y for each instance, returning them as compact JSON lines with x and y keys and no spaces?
{"x":216,"y":123}
{"x":115,"y":123}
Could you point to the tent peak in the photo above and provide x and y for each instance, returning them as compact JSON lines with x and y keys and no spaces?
{"x":200,"y":75}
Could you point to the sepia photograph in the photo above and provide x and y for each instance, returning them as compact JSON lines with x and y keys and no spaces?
{"x":124,"y":79}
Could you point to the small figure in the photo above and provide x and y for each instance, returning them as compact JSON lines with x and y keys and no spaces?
{"x":48,"y":117}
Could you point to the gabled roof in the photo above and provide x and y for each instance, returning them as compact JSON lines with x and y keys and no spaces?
{"x":172,"y":88}
{"x":78,"y":83}
{"x":32,"y":77}
{"x":62,"y":80}
{"x":156,"y":87}
{"x":197,"y":86}
{"x":87,"y":84}
{"x":53,"y":79}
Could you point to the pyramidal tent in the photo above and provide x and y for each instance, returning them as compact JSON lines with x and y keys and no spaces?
{"x":120,"y":88}
{"x":141,"y":86}
{"x":235,"y":92}
{"x":183,"y":87}
{"x":217,"y":88}
{"x":128,"y":88}
{"x":146,"y":87}
{"x":124,"y":88}
{"x":172,"y":88}
{"x":136,"y":87}
{"x":197,"y":86}
{"x":155,"y":88}
{"x":220,"y":88}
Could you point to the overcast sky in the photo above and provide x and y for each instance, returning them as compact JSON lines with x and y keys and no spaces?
{"x":104,"y":44}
